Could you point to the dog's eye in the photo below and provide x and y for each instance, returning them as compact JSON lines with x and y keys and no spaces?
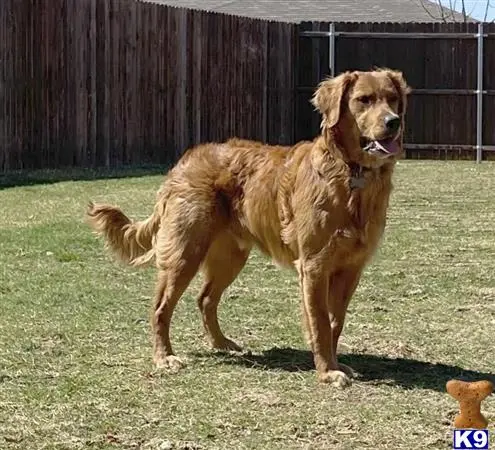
{"x":364,"y":99}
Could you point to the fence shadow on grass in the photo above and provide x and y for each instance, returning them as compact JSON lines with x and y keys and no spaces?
{"x":36,"y":177}
{"x":404,"y":372}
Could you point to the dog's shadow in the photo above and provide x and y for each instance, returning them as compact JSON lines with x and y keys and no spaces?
{"x":404,"y":372}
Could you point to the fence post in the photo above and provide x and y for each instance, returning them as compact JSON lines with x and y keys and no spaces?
{"x":331,"y":49}
{"x":479,"y":98}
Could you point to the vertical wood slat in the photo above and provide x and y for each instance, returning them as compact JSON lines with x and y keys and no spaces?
{"x":6,"y":82}
{"x":28,"y":88}
{"x":489,"y":83}
{"x":153,"y":49}
{"x":196,"y":47}
{"x":3,"y":81}
{"x":77,"y":108}
{"x":20,"y":13}
{"x":114,"y":85}
{"x":92,"y":119}
{"x":143,"y":44}
{"x":147,"y":80}
{"x":80,"y":109}
{"x":69,"y":126}
{"x":58,"y":95}
{"x":102,"y":72}
{"x":281,"y":67}
{"x":44,"y":86}
{"x":130,"y":71}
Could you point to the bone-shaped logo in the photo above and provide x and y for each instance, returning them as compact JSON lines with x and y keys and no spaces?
{"x":470,"y":396}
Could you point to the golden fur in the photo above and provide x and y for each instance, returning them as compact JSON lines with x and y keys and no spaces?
{"x":297,"y":204}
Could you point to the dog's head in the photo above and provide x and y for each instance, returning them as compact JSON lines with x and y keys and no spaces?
{"x":365,"y":111}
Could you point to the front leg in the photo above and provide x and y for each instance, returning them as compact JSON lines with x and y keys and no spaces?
{"x":341,"y":287}
{"x":314,"y":286}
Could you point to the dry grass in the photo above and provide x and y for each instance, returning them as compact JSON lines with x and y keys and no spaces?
{"x":75,"y":365}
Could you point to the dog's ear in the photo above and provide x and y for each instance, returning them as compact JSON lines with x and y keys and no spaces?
{"x":402,"y":88}
{"x":328,"y":97}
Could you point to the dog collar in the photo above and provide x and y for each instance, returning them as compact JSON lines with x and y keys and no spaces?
{"x":357,"y":179}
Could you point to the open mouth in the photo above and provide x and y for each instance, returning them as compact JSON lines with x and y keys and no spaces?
{"x":384,"y":147}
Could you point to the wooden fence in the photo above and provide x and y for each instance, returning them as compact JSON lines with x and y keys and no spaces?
{"x":90,"y":83}
{"x":113,"y":82}
{"x":441,"y":119}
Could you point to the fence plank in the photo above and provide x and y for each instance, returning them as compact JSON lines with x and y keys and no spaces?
{"x":281,"y":66}
{"x":3,"y":82}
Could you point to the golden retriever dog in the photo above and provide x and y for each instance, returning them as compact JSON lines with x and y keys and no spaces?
{"x":319,"y":207}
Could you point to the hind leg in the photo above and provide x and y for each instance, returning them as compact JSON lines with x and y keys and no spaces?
{"x":182,"y":243}
{"x":224,"y":261}
{"x":171,"y":284}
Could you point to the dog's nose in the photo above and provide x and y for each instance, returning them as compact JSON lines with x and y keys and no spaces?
{"x":392,"y":122}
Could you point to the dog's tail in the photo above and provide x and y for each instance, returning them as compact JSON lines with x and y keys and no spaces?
{"x":132,"y":242}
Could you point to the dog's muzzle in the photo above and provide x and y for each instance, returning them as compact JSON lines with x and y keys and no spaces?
{"x":383,"y":147}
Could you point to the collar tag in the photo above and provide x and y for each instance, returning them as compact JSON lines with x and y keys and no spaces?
{"x":357,"y":182}
{"x":357,"y":179}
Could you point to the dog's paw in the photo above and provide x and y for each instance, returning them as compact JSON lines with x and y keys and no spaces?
{"x":336,"y":378}
{"x":226,"y":345}
{"x":169,"y":362}
{"x":347,"y":370}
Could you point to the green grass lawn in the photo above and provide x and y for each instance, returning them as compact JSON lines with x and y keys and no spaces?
{"x":75,"y":352}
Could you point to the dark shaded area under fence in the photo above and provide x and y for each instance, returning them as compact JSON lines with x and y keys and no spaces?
{"x":16,"y":178}
{"x":108,"y":83}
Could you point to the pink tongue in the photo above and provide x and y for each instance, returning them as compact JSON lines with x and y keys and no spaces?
{"x":389,"y":146}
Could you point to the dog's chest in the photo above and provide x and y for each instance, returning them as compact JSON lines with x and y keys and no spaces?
{"x":354,"y":246}
{"x":356,"y":236}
